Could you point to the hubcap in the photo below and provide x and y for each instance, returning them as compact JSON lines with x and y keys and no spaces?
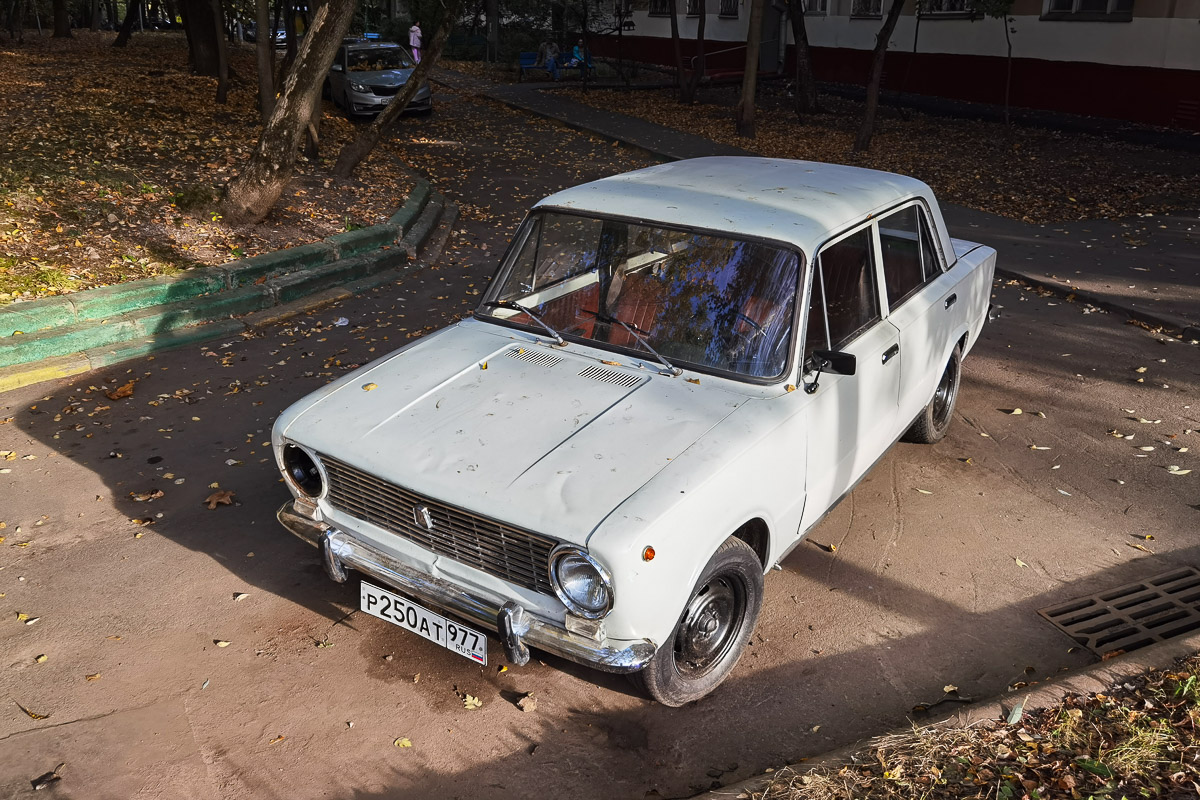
{"x":943,"y":398}
{"x":711,"y":624}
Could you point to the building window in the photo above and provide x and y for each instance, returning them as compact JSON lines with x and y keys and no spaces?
{"x":729,"y":8}
{"x":660,"y":8}
{"x":817,"y":7}
{"x":695,"y":8}
{"x":956,"y":7}
{"x":867,"y":8}
{"x":1089,"y":10}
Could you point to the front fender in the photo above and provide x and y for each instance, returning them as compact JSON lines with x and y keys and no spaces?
{"x":750,"y":467}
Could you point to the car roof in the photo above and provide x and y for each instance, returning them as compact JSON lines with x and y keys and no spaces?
{"x":799,"y":202}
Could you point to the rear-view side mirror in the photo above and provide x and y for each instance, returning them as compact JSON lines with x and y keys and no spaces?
{"x":336,"y":68}
{"x":837,"y":362}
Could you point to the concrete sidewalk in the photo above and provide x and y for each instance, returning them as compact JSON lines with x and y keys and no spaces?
{"x":1147,"y":268}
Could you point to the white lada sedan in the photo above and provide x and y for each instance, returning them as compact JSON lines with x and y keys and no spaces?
{"x":675,"y":374}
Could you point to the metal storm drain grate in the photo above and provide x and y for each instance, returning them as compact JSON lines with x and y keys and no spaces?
{"x":1132,"y":616}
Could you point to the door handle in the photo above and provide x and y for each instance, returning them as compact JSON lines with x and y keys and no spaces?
{"x":951,"y":300}
{"x":894,"y":350}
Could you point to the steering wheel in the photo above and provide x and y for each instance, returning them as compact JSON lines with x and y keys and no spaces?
{"x":759,"y":330}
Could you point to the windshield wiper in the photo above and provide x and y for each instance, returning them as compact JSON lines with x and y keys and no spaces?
{"x":674,"y":370}
{"x":518,"y":307}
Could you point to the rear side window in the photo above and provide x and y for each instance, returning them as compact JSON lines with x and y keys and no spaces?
{"x":909,"y":260}
{"x":845,"y":300}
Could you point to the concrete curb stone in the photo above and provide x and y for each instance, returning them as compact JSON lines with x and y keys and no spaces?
{"x":1098,"y":677}
{"x":44,"y":338}
{"x":387,"y":265}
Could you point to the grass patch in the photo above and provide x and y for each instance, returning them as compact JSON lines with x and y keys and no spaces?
{"x":1138,"y":740}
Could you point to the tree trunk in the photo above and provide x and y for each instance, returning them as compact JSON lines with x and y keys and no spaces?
{"x":867,"y":129}
{"x":806,"y":82}
{"x":264,"y":50}
{"x":250,"y":196}
{"x":492,"y":8}
{"x":558,"y":21}
{"x":679,"y":79}
{"x":354,"y":152}
{"x":744,"y":115}
{"x":131,"y":16}
{"x":1007,"y":67}
{"x":202,"y":21}
{"x":95,"y":24}
{"x":688,"y":91}
{"x":218,"y":19}
{"x":62,"y":20}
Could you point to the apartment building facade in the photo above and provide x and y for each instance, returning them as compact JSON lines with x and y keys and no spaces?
{"x":1136,"y":60}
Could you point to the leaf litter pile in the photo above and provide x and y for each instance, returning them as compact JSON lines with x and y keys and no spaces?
{"x":1028,"y":174}
{"x":1137,"y":740}
{"x":111,"y":169}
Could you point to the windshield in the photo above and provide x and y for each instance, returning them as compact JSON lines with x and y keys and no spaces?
{"x":377,"y":58}
{"x":698,"y":299}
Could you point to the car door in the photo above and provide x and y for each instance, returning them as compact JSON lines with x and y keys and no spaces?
{"x":922,"y":303}
{"x":852,"y":418}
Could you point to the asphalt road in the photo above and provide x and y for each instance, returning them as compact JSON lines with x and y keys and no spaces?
{"x":943,"y":556}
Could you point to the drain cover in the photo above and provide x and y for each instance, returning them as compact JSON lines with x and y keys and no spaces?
{"x":1132,"y":616}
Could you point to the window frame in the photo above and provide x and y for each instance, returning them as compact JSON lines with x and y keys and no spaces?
{"x":945,"y":265}
{"x":663,"y":11}
{"x":1111,"y":13}
{"x":823,"y":11}
{"x":799,"y":312}
{"x":924,"y":219}
{"x":967,"y":12}
{"x":855,"y":14}
{"x":723,"y":6}
{"x":694,"y":8}
{"x":880,"y":293}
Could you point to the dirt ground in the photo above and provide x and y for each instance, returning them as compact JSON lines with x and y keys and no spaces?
{"x":943,"y":556}
{"x":111,"y":160}
{"x":1024,"y":173}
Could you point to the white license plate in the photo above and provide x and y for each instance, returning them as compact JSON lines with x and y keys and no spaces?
{"x":423,"y":622}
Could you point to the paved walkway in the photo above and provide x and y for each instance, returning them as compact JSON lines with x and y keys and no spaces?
{"x":1145,"y":267}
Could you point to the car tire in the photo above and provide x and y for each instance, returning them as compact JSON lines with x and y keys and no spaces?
{"x":934,"y":421}
{"x":712,"y":631}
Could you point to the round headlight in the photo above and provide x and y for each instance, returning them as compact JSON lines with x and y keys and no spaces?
{"x":302,"y":471}
{"x":581,"y":582}
{"x":361,"y":88}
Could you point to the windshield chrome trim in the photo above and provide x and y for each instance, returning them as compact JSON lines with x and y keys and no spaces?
{"x":526,"y":226}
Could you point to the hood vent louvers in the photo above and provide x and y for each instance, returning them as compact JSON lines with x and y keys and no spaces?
{"x":542,"y":359}
{"x":611,"y":376}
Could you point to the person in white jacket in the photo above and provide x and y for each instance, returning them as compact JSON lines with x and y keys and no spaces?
{"x":414,"y":40}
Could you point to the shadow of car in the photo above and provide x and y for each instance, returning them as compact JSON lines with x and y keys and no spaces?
{"x":366,"y":75}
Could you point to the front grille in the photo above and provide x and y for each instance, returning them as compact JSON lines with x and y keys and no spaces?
{"x":512,"y":554}
{"x":385,"y":91}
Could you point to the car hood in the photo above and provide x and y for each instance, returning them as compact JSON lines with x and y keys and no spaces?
{"x":497,"y":423}
{"x":383,"y":77}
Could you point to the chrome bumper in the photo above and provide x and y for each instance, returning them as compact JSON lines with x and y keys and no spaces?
{"x":516,"y":627}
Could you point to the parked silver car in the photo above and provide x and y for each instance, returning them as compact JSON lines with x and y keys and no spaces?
{"x":365,"y":76}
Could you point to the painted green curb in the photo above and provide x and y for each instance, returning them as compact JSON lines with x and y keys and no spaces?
{"x":71,"y":334}
{"x":351,"y":243}
{"x":109,"y":301}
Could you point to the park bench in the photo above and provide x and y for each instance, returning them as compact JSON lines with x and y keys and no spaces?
{"x":528,"y":61}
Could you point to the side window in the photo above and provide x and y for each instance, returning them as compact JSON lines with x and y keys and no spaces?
{"x":909,"y":260}
{"x":845,"y":282}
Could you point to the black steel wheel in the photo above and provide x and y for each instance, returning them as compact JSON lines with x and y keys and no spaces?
{"x":712,"y":631}
{"x":935,"y":418}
